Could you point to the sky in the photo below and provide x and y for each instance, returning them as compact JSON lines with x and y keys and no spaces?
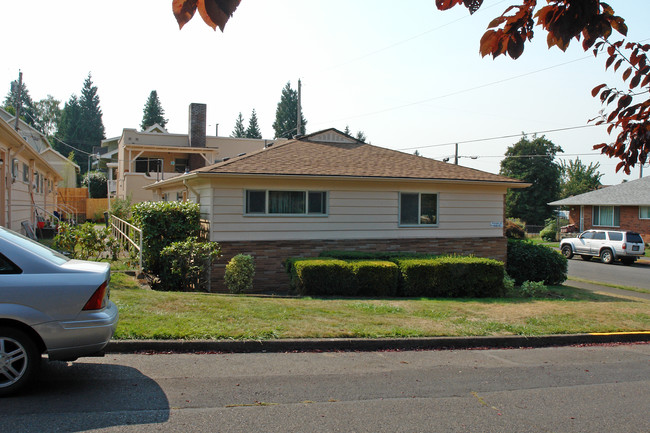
{"x":407,"y":75}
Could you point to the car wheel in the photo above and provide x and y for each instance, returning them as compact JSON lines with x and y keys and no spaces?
{"x":627,"y":262}
{"x":586,"y":258}
{"x":18,"y":360}
{"x":567,"y":251}
{"x":606,"y":257}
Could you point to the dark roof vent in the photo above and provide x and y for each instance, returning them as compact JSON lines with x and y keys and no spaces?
{"x":225,"y":159}
{"x":241,"y":154}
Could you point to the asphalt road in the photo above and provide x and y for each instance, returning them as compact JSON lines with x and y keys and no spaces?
{"x":570,"y":389}
{"x":636,"y":275}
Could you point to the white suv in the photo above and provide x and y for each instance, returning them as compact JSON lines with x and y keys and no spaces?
{"x":609,"y":245}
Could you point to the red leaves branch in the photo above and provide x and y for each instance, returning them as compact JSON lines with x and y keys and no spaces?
{"x":215,"y":13}
{"x":633,"y":141}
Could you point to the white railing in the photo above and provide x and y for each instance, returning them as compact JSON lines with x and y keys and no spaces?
{"x":127,"y":233}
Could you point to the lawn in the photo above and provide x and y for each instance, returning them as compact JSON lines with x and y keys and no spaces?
{"x":145,"y":314}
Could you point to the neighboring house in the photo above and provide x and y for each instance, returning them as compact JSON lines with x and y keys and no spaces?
{"x":328,"y":191}
{"x":66,"y":168}
{"x":140,"y":158}
{"x":28,"y":182}
{"x":625,"y":206}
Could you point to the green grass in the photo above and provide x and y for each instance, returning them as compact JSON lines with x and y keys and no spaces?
{"x":615,"y":286}
{"x":145,"y":314}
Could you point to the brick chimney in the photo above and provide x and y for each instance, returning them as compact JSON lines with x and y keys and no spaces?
{"x":196,"y":133}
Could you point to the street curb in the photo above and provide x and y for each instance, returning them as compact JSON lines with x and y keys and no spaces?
{"x":367,"y":344}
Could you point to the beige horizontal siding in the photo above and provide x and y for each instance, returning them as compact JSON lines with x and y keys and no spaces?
{"x":354,"y":213}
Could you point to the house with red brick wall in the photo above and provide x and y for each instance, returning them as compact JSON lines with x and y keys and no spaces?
{"x":625,"y":206}
{"x":329,"y":191}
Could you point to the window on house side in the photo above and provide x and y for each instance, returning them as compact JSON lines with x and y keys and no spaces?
{"x":644,"y":212}
{"x":606,"y":216}
{"x":25,"y":173}
{"x":418,"y":209}
{"x":286,"y":202}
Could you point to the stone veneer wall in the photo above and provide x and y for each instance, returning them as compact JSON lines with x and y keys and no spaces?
{"x":270,"y":274}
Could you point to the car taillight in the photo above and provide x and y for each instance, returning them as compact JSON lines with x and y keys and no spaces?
{"x":96,"y":301}
{"x":624,"y":246}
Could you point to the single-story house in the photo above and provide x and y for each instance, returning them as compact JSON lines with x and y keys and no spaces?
{"x":139,"y":158}
{"x":623,"y":206}
{"x":28,"y":182}
{"x":329,"y":191}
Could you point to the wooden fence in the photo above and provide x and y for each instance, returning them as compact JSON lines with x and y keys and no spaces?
{"x":76,"y":200}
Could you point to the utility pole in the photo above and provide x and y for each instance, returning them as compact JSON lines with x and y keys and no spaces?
{"x":18,"y":99}
{"x":456,"y":155}
{"x":299,"y":120}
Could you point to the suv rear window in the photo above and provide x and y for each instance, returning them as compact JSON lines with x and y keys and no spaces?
{"x":615,"y":236}
{"x":634,"y":237}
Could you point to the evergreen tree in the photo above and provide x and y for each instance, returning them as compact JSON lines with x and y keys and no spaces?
{"x":81,"y":123}
{"x":239,"y":131}
{"x":286,"y":114}
{"x":253,"y":130}
{"x":153,"y":112}
{"x":532,"y":162}
{"x":27,"y":108}
{"x":361,"y":136}
{"x":347,"y":131}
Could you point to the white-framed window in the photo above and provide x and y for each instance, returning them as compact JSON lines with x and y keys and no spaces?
{"x":25,"y":173}
{"x":644,"y":212}
{"x":418,"y":209}
{"x":278,"y":202}
{"x":606,"y":216}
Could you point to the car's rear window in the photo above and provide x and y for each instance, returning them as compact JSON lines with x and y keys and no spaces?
{"x":615,"y":236}
{"x":34,"y":247}
{"x":634,"y":237}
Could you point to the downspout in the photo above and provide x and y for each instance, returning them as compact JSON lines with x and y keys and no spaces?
{"x":193,"y":191}
{"x":9,"y":182}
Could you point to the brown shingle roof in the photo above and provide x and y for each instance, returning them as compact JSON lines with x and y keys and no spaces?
{"x":332,"y":153}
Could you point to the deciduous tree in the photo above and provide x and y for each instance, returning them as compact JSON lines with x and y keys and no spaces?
{"x":578,"y":178}
{"x":532,"y":161}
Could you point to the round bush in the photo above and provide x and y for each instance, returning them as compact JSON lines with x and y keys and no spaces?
{"x":240,"y":271}
{"x":530,"y":262}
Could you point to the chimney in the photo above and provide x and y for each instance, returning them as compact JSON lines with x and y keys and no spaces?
{"x":196,"y":133}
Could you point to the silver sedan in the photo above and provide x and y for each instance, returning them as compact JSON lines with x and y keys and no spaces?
{"x":48,"y":304}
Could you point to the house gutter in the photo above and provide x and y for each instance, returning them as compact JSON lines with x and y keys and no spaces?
{"x":192,"y":190}
{"x":365,"y":178}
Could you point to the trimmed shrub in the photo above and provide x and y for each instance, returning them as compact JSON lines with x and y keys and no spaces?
{"x":452,"y":277}
{"x":240,"y":271}
{"x":316,"y":277}
{"x":186,"y":265}
{"x":530,"y":262}
{"x":372,"y":255}
{"x":375,"y":278}
{"x":162,"y":224}
{"x":97,"y":184}
{"x":549,"y":232}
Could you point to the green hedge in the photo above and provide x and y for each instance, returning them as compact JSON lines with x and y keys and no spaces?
{"x":530,"y":262}
{"x":411,"y":277}
{"x":456,"y":277}
{"x":317,"y":277}
{"x":375,"y":278}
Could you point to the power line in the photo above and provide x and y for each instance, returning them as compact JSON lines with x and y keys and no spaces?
{"x":498,"y":137}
